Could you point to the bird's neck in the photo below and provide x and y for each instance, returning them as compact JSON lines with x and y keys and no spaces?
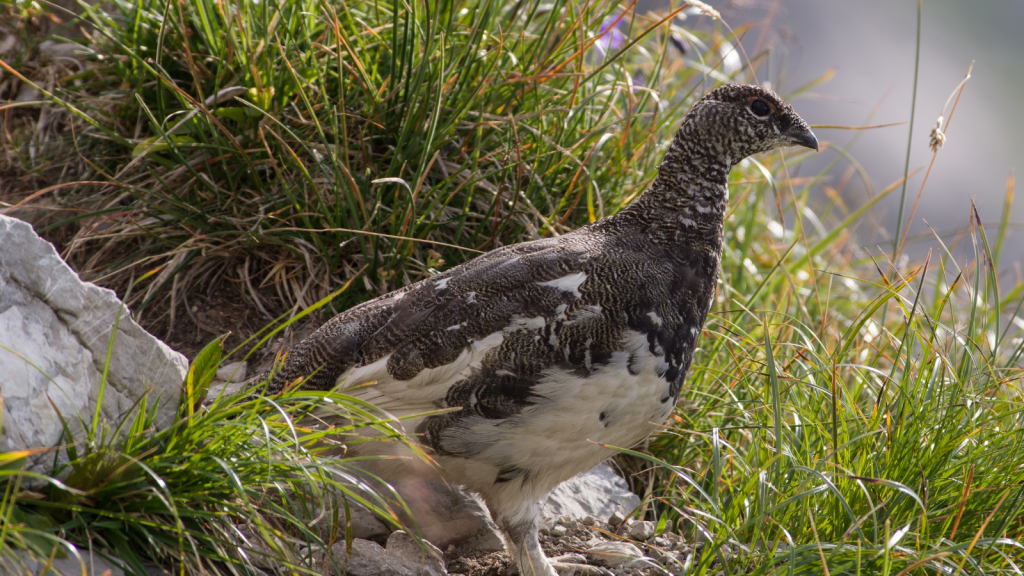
{"x":686,"y":203}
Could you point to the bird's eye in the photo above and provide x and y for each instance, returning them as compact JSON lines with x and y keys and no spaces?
{"x":759,"y":108}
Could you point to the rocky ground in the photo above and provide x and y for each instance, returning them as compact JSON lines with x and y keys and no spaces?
{"x":612,"y":547}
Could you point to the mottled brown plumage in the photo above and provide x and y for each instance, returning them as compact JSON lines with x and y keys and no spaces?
{"x":547,"y":347}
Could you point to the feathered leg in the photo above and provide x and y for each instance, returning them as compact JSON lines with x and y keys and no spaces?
{"x":523,"y":545}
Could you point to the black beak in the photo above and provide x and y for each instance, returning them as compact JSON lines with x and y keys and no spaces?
{"x":806,"y":139}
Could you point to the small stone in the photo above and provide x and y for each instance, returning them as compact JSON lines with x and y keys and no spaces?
{"x":728,"y":552}
{"x":27,"y":93}
{"x":49,"y":50}
{"x":662,"y":556}
{"x":682,"y":565}
{"x":613,"y":554}
{"x":671,"y":537}
{"x":642,"y":530}
{"x":404,"y":546}
{"x":370,"y":559}
{"x":644,"y":564}
{"x":616,"y":518}
{"x":558,"y":531}
{"x":7,"y":43}
{"x":661,"y":542}
{"x":232,"y":372}
{"x":589,"y":520}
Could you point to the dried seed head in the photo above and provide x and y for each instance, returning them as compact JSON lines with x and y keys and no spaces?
{"x":937,"y":138}
{"x":705,"y":9}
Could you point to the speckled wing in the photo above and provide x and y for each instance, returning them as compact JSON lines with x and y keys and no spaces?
{"x":414,"y":343}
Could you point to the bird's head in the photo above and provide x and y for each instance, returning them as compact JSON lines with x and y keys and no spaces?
{"x":742,"y":119}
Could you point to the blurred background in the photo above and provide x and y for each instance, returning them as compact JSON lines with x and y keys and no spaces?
{"x":870,"y":44}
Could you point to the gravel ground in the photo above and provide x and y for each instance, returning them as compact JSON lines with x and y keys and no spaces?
{"x":665,"y":553}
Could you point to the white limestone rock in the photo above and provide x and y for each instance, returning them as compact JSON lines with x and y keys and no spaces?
{"x":599,"y":493}
{"x":54,"y":334}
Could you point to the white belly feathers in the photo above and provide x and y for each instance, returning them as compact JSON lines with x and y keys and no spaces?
{"x":618,"y":404}
{"x":562,"y":433}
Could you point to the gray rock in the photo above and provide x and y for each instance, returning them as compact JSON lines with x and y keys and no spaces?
{"x":27,"y":93}
{"x":613,"y":554}
{"x":616,"y":518}
{"x":221,"y":388}
{"x":600,"y":493}
{"x":49,"y":50}
{"x":22,"y":563}
{"x":55,"y":331}
{"x":558,"y":531}
{"x":370,"y":559}
{"x":232,"y":372}
{"x":671,"y":537}
{"x":364,"y":523}
{"x":646,"y":564}
{"x":401,"y":544}
{"x":662,"y":556}
{"x":642,"y":530}
{"x":9,"y":41}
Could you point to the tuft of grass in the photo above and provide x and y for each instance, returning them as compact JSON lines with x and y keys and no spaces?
{"x":845,"y":416}
{"x":282,"y":147}
{"x":233,"y":486}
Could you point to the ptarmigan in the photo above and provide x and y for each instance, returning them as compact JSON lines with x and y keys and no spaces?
{"x":549,"y":348}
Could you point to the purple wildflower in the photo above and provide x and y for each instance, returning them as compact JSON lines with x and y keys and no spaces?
{"x":610,"y":35}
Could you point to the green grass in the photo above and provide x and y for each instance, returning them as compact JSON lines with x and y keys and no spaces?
{"x":454,"y":127}
{"x":873,"y":425}
{"x":844,"y":416}
{"x":230,"y":487}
